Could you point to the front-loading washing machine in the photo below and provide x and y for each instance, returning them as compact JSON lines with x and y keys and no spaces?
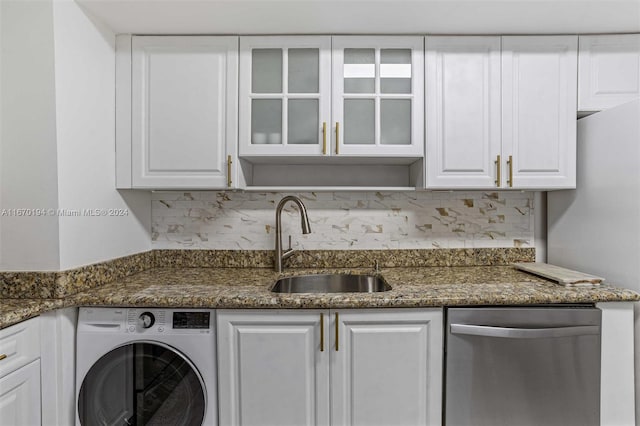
{"x":153,"y":366}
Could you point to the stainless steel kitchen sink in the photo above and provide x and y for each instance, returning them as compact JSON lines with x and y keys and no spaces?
{"x":331,"y":283}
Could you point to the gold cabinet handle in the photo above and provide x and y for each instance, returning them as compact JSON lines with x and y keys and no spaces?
{"x":510,"y":163}
{"x":229,"y":171}
{"x":337,"y":335}
{"x":337,"y":138}
{"x":2,"y":356}
{"x":321,"y":332}
{"x":498,"y":175}
{"x":324,"y":138}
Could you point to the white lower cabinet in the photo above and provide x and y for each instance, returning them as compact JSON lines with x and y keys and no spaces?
{"x":387,"y":369}
{"x":20,"y":374}
{"x":270,"y":368}
{"x":338,"y":367}
{"x":20,"y":396}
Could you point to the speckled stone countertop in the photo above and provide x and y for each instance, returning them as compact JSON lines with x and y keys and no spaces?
{"x":237,"y":279}
{"x":15,"y":310}
{"x":410,"y":287}
{"x":249,"y":288}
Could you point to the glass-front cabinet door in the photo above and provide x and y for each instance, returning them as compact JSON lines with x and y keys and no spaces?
{"x":285,"y":90}
{"x":378,"y":96}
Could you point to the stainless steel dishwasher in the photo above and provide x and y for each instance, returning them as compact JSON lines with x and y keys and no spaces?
{"x":516,"y":366}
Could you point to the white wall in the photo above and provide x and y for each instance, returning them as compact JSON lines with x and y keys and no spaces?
{"x":595,"y":228}
{"x":57,"y":79}
{"x":85,"y":109}
{"x":1,"y":118}
{"x":28,"y":168}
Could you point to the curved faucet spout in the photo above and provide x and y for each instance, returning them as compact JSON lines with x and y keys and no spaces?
{"x":304,"y":223}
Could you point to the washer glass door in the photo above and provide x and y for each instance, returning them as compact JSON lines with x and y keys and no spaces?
{"x":142,"y":384}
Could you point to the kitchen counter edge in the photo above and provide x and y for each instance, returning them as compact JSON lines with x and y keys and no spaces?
{"x":248,"y":288}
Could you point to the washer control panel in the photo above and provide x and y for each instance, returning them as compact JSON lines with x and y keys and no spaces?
{"x":197,"y":320}
{"x":161,"y":321}
{"x":147,"y":321}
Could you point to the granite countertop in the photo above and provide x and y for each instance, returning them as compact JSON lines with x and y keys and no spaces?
{"x":15,"y":310}
{"x":249,"y":288}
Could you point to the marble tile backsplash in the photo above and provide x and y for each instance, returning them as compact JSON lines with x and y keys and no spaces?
{"x":344,"y":220}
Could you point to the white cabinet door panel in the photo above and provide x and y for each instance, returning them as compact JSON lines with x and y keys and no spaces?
{"x":387,"y":369}
{"x":539,"y":110}
{"x":20,"y":396}
{"x":378,"y":96}
{"x":184,"y":105}
{"x":20,"y":344}
{"x":272,"y":371}
{"x":285,"y":95}
{"x":608,"y":71}
{"x":463,"y":111}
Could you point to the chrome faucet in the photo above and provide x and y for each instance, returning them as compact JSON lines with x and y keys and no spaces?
{"x":304,"y":221}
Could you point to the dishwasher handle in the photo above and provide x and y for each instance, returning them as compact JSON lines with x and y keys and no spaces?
{"x":524,"y":333}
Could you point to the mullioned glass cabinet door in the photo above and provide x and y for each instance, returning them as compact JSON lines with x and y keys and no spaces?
{"x":285,"y":91}
{"x":378,"y":96}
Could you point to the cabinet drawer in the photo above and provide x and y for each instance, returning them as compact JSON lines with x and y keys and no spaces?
{"x":20,"y":344}
{"x":20,"y":396}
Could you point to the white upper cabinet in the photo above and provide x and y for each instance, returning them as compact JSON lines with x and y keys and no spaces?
{"x":349,"y":111}
{"x":609,"y":71}
{"x":285,"y":95}
{"x":378,"y":96}
{"x":501,"y":112}
{"x":182,"y":118}
{"x":331,"y":96}
{"x":463,"y":111}
{"x":539,"y":80}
